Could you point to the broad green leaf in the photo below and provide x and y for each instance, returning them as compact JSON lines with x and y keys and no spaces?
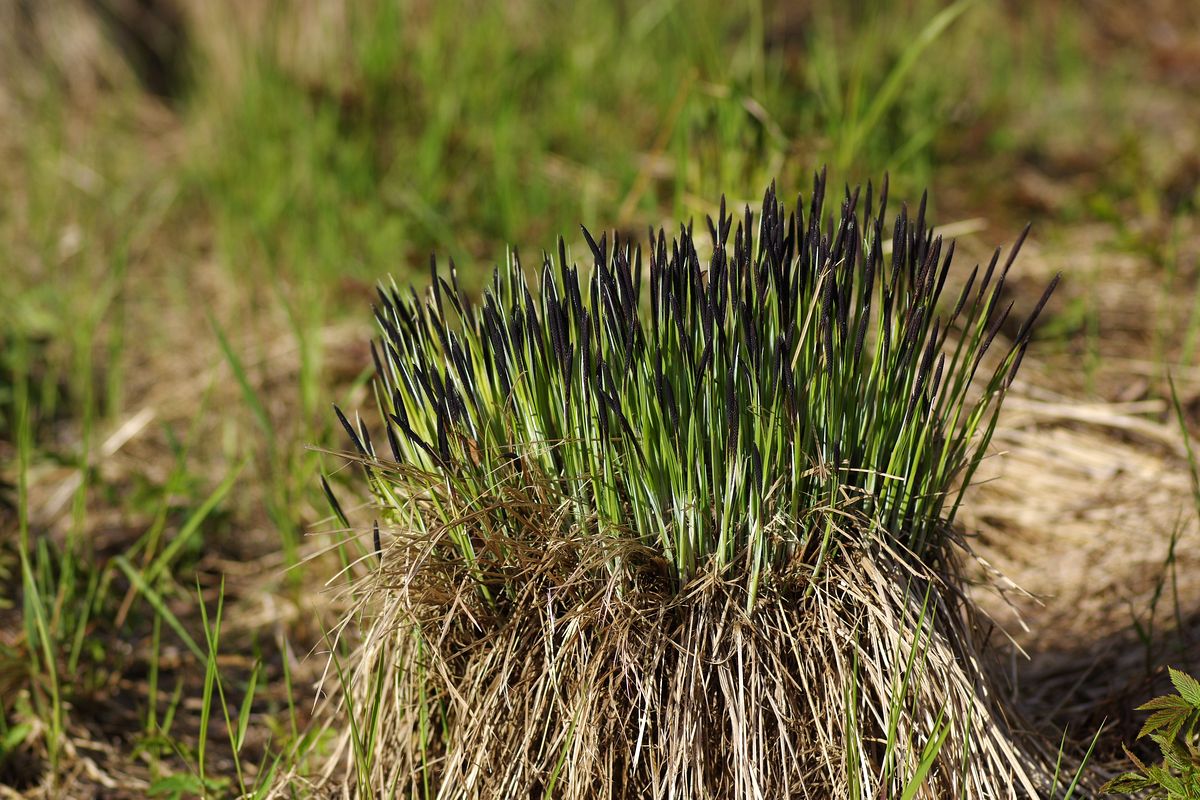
{"x":1187,"y":686}
{"x":1165,"y":701}
{"x":1166,"y":780}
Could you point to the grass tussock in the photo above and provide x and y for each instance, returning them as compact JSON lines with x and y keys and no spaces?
{"x":686,"y":531}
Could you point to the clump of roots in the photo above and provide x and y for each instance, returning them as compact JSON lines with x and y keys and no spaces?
{"x":551,"y":679}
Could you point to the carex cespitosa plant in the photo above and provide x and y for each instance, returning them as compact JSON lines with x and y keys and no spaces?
{"x":722,"y":402}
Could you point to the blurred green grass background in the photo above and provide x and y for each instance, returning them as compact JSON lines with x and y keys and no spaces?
{"x":198,"y":198}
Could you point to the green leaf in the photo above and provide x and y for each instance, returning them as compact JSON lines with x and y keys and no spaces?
{"x":1177,"y":724}
{"x":1175,"y":755}
{"x":1166,"y":780}
{"x":1162,"y":720}
{"x":1129,"y":783}
{"x":14,"y":738}
{"x":1165,"y":701}
{"x":1187,"y":686}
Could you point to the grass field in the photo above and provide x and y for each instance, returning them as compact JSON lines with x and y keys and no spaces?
{"x":199,"y":198}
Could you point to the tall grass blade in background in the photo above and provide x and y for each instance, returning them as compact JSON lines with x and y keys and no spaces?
{"x":858,"y":128}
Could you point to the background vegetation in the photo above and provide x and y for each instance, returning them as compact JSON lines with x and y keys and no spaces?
{"x":199,"y":197}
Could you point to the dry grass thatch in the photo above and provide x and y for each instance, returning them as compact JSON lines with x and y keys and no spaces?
{"x":864,"y":682}
{"x":1090,"y":512}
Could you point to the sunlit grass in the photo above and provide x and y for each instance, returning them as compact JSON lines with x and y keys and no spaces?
{"x":717,"y":410}
{"x":295,"y":183}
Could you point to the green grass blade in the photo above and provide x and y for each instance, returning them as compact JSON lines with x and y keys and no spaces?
{"x":192,"y":524}
{"x":160,"y":607}
{"x":244,"y":712}
{"x":890,"y":91}
{"x":249,"y":393}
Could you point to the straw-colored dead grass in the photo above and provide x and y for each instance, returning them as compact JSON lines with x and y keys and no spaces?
{"x":1080,"y":513}
{"x":587,"y":685}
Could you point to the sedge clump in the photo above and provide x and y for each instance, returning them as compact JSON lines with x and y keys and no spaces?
{"x":677,"y":521}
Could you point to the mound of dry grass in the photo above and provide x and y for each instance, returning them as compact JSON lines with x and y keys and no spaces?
{"x":868,"y":682}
